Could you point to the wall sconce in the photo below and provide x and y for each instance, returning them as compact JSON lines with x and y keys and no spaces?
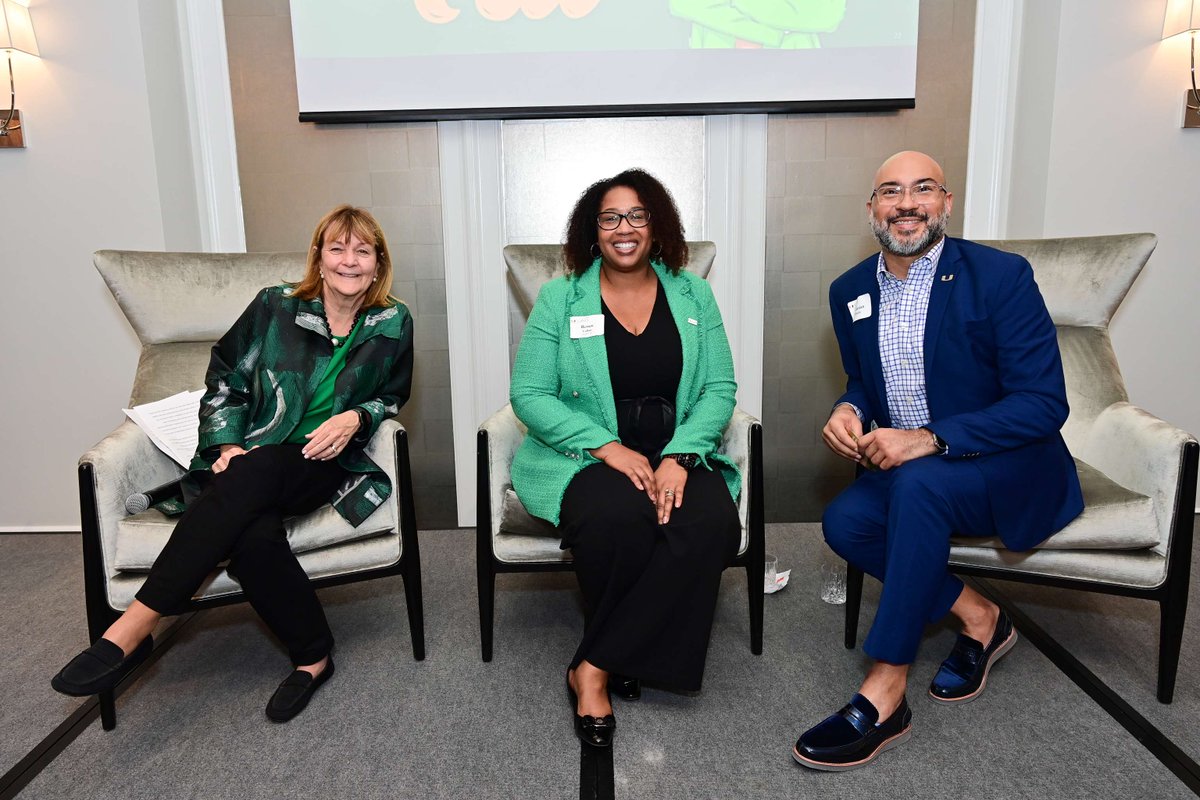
{"x":1184,"y":16}
{"x":16,"y":33}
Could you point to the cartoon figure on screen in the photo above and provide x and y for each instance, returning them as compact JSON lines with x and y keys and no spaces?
{"x":789,"y":24}
{"x":440,"y":12}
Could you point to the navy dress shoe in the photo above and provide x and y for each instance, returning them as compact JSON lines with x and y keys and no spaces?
{"x":853,"y":737}
{"x":593,"y":731}
{"x":99,"y":668}
{"x":294,"y":693}
{"x":963,"y":675}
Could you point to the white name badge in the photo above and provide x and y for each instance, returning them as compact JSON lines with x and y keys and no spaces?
{"x":588,"y":326}
{"x":860,"y":307}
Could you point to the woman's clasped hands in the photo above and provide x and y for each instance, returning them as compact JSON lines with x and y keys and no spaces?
{"x":664,"y":486}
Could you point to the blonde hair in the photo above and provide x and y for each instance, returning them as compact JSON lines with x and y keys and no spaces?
{"x":336,"y":226}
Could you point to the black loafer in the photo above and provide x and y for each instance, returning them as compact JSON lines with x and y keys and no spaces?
{"x":593,"y":731}
{"x":294,"y":693}
{"x":963,"y":675}
{"x":99,"y":668}
{"x":624,"y":688}
{"x":851,"y":738}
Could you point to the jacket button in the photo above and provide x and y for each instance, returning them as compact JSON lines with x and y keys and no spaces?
{"x":574,"y":394}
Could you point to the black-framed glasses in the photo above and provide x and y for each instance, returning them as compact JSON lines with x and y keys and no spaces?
{"x":923,"y":193}
{"x":611,"y":220}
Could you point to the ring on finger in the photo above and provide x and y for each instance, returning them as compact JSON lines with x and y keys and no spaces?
{"x":669,"y":492}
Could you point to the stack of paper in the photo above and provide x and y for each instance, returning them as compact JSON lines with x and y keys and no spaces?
{"x":172,"y":424}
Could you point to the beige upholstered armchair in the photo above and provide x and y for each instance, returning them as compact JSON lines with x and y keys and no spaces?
{"x":509,"y":539}
{"x":179,"y":304}
{"x":1138,"y":473}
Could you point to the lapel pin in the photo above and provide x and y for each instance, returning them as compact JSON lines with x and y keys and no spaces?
{"x":948,"y":278}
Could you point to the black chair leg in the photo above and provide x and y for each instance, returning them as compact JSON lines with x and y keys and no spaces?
{"x":487,"y":606}
{"x":412,"y":597}
{"x":1170,"y":637}
{"x":108,"y":710}
{"x":755,"y":575}
{"x":854,"y":584}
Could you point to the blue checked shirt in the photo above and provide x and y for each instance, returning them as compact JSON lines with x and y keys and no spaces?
{"x":902,"y":308}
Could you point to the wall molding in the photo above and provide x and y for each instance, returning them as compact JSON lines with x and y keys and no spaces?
{"x":735,"y":218}
{"x":40,"y":529}
{"x":472,"y":180}
{"x":993,"y":118}
{"x":205,"y":65}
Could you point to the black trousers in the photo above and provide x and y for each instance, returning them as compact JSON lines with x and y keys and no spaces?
{"x":239,"y":516}
{"x":651,"y":589}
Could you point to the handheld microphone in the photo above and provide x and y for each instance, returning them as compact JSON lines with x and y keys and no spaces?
{"x":138,"y":502}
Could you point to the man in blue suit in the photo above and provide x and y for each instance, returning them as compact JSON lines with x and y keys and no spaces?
{"x":953,"y":404}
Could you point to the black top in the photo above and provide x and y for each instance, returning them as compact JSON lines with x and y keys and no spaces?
{"x":645,"y":371}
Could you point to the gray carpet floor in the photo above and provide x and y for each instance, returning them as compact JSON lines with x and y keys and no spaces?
{"x":454,"y":727}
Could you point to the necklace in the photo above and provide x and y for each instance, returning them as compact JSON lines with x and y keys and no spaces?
{"x":340,"y":340}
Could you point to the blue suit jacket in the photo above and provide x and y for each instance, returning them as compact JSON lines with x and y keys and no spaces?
{"x":993,"y":376}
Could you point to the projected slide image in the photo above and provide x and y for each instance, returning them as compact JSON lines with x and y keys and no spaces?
{"x":440,"y":11}
{"x":750,"y":24}
{"x":467,"y":56}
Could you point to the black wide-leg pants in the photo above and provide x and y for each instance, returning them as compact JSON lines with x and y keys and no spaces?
{"x":239,"y":516}
{"x":651,"y":589}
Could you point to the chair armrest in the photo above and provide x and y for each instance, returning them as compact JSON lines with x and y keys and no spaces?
{"x":1143,"y":453}
{"x":735,"y":445}
{"x":124,"y":462}
{"x":382,"y":450}
{"x":504,"y":435}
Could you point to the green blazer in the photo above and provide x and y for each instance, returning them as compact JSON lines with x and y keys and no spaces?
{"x":562,"y":391}
{"x":263,"y":371}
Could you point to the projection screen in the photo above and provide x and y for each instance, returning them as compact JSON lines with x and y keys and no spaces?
{"x":380,"y":60}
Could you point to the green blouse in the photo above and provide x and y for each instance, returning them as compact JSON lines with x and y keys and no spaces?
{"x":320,"y":407}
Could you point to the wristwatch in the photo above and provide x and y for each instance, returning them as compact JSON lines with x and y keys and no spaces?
{"x":685,"y":460}
{"x":939,"y":443}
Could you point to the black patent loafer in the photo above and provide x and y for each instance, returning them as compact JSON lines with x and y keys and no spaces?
{"x":851,"y":738}
{"x":294,"y":693}
{"x":963,"y":675}
{"x":99,"y":668}
{"x":592,"y":731}
{"x":624,"y":688}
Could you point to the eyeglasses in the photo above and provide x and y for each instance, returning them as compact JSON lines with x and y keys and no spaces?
{"x":923,"y":194}
{"x":611,"y":220}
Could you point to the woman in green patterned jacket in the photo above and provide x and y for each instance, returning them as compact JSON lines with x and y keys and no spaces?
{"x":296,"y":388}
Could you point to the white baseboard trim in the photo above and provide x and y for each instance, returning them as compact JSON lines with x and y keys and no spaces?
{"x":40,"y":529}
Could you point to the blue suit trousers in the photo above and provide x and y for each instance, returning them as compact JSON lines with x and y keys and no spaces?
{"x":896,"y":526}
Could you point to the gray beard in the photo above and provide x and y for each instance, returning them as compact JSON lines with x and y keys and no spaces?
{"x":935,"y":228}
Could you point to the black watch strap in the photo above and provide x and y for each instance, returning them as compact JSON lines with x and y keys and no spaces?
{"x":364,"y":425}
{"x":685,"y":460}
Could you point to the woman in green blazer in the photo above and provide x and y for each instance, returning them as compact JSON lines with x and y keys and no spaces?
{"x":624,"y":379}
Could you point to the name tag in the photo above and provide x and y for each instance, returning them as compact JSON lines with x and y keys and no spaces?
{"x":588,"y":326}
{"x":860,"y":307}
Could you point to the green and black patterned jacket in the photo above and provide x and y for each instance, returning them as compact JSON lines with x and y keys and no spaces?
{"x":263,"y":371}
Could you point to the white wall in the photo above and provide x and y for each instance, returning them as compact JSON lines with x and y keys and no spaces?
{"x":89,"y":179}
{"x":1114,"y":159}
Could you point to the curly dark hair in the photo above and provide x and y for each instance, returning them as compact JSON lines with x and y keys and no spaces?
{"x":664,"y":221}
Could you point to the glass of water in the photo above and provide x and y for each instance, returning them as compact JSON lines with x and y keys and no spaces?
{"x":833,"y":580}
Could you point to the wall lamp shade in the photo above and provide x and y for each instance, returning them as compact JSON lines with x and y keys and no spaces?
{"x":16,"y":28}
{"x":16,"y":34}
{"x":1183,"y":16}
